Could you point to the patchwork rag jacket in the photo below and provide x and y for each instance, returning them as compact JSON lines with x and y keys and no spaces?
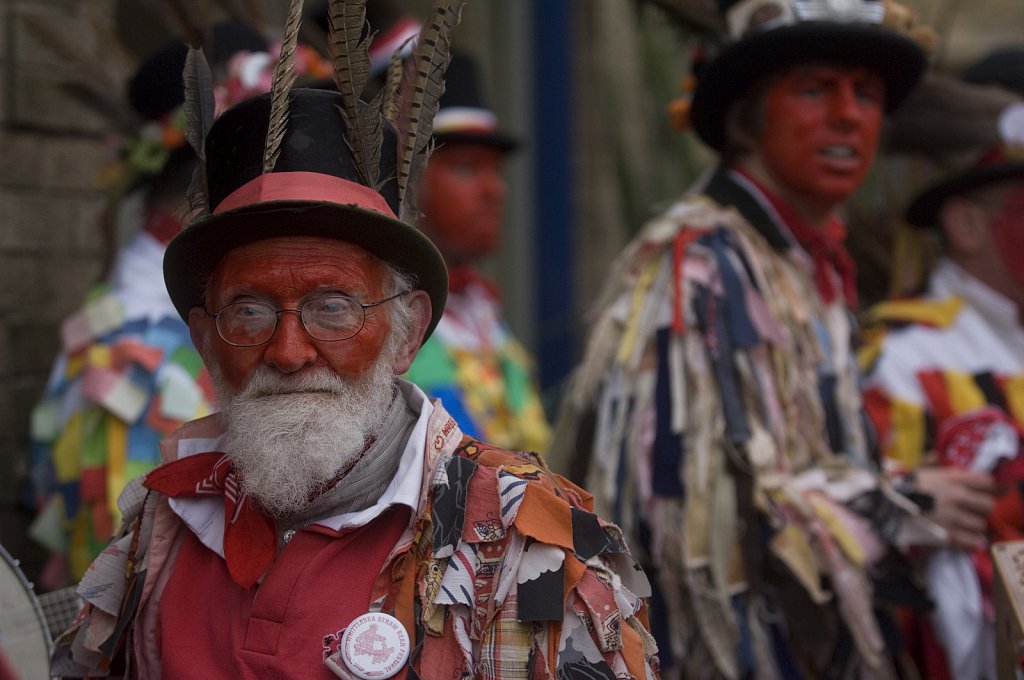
{"x":501,"y":571}
{"x":126,"y":377}
{"x":481,"y":372}
{"x":945,"y":384}
{"x":717,"y":417}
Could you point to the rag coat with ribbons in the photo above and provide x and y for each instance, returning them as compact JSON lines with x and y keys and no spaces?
{"x":503,"y":571}
{"x":717,"y":418}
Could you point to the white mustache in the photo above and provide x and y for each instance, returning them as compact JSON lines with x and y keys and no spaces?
{"x":265,"y":382}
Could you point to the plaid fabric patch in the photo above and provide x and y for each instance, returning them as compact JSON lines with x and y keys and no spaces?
{"x":506,"y":646}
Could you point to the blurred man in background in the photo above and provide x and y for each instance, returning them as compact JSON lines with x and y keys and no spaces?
{"x":946,"y":372}
{"x":484,"y":376}
{"x":718,"y":406}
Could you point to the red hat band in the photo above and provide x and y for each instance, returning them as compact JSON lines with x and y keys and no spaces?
{"x":303,"y":186}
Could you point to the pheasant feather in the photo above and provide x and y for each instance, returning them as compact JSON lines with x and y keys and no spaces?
{"x":349,"y":49}
{"x":199,"y":109}
{"x":431,"y":57}
{"x":281,"y":85}
{"x":396,"y":73}
{"x":197,"y":201}
{"x":199,"y":99}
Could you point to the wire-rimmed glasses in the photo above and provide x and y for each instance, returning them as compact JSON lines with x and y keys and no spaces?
{"x":329,"y":319}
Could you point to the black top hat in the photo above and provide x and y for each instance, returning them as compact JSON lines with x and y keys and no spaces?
{"x":315,"y":189}
{"x":998,"y":165}
{"x":1003,"y":161}
{"x":1003,"y":67}
{"x":462,"y":115}
{"x":771,"y":35}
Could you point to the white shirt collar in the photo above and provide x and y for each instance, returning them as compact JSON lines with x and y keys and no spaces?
{"x":949,"y":280}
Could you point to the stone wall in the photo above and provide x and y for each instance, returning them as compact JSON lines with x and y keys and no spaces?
{"x":50,"y":247}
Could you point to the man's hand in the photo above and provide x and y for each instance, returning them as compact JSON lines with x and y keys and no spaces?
{"x":962,"y":501}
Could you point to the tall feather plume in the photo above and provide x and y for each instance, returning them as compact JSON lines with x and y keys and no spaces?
{"x":281,"y":86}
{"x":392,"y":90}
{"x":349,"y":49}
{"x":421,"y":96}
{"x":199,"y":109}
{"x":200,"y":103}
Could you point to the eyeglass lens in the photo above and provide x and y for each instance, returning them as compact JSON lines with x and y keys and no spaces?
{"x":253,"y":322}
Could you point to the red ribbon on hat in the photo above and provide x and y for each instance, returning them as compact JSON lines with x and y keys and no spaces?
{"x":250,"y":537}
{"x":304,"y":186}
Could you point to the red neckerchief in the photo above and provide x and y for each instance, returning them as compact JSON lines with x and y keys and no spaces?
{"x":823,"y":244}
{"x":461,"y":277}
{"x":250,"y":537}
{"x":162,"y":226}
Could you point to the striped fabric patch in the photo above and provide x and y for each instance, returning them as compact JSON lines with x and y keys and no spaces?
{"x":457,"y":583}
{"x":511,"y":490}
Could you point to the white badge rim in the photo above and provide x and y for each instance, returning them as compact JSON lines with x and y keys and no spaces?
{"x":393,"y":630}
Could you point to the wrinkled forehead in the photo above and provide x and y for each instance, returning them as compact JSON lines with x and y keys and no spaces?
{"x":289,"y":266}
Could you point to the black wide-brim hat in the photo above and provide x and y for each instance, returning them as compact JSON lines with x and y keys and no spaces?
{"x":314,"y":189}
{"x":463,"y":116}
{"x":896,"y":58}
{"x":924,"y":210}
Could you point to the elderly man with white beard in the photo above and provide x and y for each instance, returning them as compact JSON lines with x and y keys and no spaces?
{"x":331,"y":521}
{"x":299,"y":413}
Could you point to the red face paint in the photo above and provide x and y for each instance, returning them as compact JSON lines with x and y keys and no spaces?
{"x":286,"y":272}
{"x":1008,"y":233}
{"x":463,"y":200}
{"x":820,"y":131}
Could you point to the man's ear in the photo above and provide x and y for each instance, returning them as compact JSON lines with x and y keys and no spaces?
{"x":419,"y":301}
{"x":965,"y":224}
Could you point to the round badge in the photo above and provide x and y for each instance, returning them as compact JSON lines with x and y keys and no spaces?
{"x":375,"y":646}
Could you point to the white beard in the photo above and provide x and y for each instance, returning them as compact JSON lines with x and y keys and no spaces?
{"x":291,"y":436}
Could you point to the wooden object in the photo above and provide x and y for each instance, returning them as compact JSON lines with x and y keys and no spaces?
{"x":1008,"y":593}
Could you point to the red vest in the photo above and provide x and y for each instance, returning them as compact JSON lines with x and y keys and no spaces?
{"x":282,"y":627}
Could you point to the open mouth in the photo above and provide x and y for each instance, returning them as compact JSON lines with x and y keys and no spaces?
{"x":839,"y":152}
